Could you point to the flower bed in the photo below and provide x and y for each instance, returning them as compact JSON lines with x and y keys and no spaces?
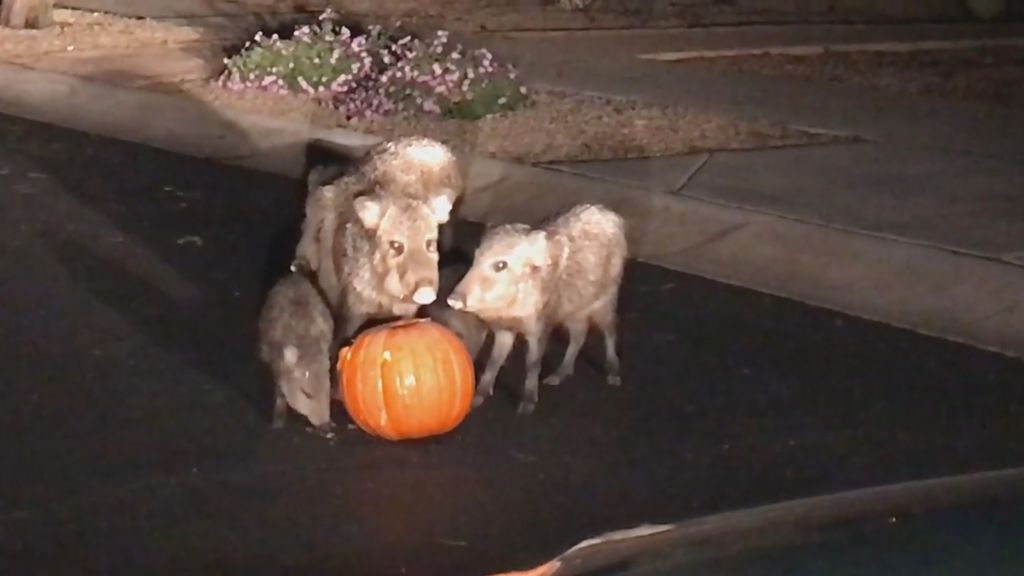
{"x":376,"y":73}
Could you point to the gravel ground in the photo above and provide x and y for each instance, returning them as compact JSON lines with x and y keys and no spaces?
{"x":989,"y":75}
{"x":79,"y":30}
{"x":555,"y":126}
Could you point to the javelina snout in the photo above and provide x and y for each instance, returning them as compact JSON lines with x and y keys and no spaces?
{"x":306,"y":387}
{"x":405,"y":244}
{"x":505,"y":269}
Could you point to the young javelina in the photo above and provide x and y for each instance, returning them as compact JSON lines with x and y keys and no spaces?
{"x":414,"y":168}
{"x":295,"y":332}
{"x":526,"y":281}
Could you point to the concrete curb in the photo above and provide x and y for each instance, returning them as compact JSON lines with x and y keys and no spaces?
{"x":930,"y":290}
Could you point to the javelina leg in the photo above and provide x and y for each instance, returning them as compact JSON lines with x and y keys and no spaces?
{"x":607,"y":326}
{"x":280,"y":408}
{"x":536,"y":343}
{"x":611,"y":357}
{"x":577,"y":335}
{"x":349,"y":324}
{"x":503,"y":341}
{"x":446,"y":237}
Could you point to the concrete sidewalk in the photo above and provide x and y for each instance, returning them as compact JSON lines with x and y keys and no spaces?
{"x":847,"y":227}
{"x":971,"y":205}
{"x":608,"y":63}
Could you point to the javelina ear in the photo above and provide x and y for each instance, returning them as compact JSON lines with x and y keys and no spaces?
{"x":536,"y":250}
{"x":441,"y":207}
{"x":370,"y":211}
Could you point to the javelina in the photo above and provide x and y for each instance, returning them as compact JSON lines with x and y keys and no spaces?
{"x":383,"y":261}
{"x":414,"y":168}
{"x":526,"y":281}
{"x":295,"y":332}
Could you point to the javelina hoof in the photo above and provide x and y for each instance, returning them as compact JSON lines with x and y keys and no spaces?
{"x":553,"y":380}
{"x":478,"y":399}
{"x":526,"y":407}
{"x":324,"y":430}
{"x":614,"y":380}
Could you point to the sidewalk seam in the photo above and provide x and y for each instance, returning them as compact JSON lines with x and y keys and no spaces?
{"x":692,"y":173}
{"x":682,"y":193}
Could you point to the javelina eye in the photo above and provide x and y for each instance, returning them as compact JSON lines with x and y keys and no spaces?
{"x":431,"y":246}
{"x":397,"y":247}
{"x":499,"y":266}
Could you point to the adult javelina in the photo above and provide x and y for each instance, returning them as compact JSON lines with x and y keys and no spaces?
{"x":526,"y":281}
{"x":295,"y":332}
{"x":413,"y":168}
{"x":381,"y":261}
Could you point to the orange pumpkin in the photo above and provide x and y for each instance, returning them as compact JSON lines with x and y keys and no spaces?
{"x":406,"y":379}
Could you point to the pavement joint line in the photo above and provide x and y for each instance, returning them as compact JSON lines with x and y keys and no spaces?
{"x":609,"y":179}
{"x":822,"y":49}
{"x":692,"y":172}
{"x":832,"y":132}
{"x":706,"y":154}
{"x":682,"y":193}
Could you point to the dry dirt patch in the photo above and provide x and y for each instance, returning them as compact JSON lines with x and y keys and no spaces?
{"x":554,"y":126}
{"x":89,"y":31}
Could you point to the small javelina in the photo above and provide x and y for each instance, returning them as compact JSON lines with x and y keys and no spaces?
{"x":413,"y":168}
{"x":526,"y":281}
{"x":295,"y":333}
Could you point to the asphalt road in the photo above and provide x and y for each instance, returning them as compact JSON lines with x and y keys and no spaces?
{"x":135,"y":430}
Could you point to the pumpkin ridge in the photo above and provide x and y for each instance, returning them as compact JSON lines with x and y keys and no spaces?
{"x":421,"y":360}
{"x":387,"y":382}
{"x":346,"y":380}
{"x":373,"y":409}
{"x":452,"y":386}
{"x":383,"y":385}
{"x":433,"y":388}
{"x":353,"y":376}
{"x":465,"y":372}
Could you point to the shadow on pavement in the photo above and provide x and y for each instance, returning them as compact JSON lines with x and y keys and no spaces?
{"x":157,"y":243}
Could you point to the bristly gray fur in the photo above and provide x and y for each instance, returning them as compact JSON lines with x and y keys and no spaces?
{"x":398,"y":168}
{"x":527,"y":281}
{"x":414,"y":182}
{"x":295,"y":335}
